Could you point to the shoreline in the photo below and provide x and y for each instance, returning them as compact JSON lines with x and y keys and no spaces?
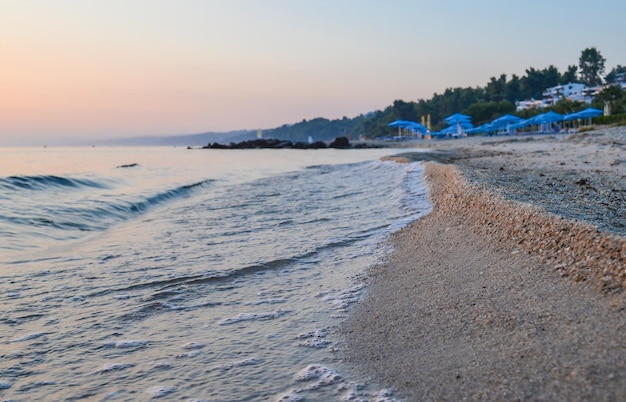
{"x":496,"y":295}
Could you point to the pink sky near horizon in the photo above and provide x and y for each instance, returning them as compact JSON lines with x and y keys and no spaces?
{"x":105,"y":69}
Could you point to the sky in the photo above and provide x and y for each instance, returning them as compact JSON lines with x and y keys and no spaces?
{"x":99,"y":69}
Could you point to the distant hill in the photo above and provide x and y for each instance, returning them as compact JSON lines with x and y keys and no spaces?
{"x":192,"y":140}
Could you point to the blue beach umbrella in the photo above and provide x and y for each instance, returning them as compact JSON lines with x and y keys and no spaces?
{"x":398,"y":123}
{"x":410,"y":125}
{"x":483,"y":128}
{"x":521,"y":124}
{"x":589,"y":112}
{"x":458,"y":122}
{"x":417,"y":127}
{"x":505,"y":122}
{"x":506,"y":119}
{"x":551,"y":117}
{"x":457,"y":118}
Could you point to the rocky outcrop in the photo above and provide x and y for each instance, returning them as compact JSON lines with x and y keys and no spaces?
{"x":272,"y":143}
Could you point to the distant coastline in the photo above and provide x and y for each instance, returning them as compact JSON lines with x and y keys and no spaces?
{"x":272,"y":143}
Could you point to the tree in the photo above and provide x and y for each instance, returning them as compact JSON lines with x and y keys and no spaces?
{"x":552,"y":76}
{"x":612,"y":76}
{"x":404,"y":110}
{"x":571,"y":75}
{"x":536,"y":81}
{"x":591,"y":65}
{"x":513,"y":89}
{"x":566,"y":106}
{"x":614,"y":96}
{"x":486,"y":111}
{"x":496,"y":89}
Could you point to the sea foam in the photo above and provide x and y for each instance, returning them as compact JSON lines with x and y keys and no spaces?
{"x":28,"y":337}
{"x":107,"y":368}
{"x":160,"y":391}
{"x":270,"y":315}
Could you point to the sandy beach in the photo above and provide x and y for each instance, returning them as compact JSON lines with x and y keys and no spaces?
{"x":512,"y":288}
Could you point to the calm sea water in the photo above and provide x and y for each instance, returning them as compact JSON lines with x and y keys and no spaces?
{"x":140,"y":273}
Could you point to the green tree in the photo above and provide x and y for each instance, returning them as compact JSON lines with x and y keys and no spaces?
{"x":612,"y":75}
{"x":591,"y":65}
{"x":514,"y":89}
{"x":566,"y":106}
{"x":614,"y":96}
{"x":552,"y":76}
{"x":571,"y":75}
{"x":536,"y":81}
{"x":404,"y":110}
{"x":487,"y":111}
{"x":496,"y":89}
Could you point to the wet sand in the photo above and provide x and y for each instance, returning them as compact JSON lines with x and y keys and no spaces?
{"x":512,"y":288}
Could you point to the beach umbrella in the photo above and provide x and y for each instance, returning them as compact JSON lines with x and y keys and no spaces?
{"x":584,"y":114}
{"x":551,"y":117}
{"x":506,"y":119}
{"x":398,"y":123}
{"x":571,"y":116}
{"x":505,"y":122}
{"x":457,"y":118}
{"x":589,"y":112}
{"x":409,"y":125}
{"x":459,"y":122}
{"x":522,"y":124}
{"x":483,"y":128}
{"x":417,"y":127}
{"x":545,"y":120}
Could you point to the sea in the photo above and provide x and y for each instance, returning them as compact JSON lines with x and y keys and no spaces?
{"x":132,"y":273}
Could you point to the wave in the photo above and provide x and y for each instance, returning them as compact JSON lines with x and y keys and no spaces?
{"x":44,"y":182}
{"x":88,"y":216}
{"x":171,"y":287}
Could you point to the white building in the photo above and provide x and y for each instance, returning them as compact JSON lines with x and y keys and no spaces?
{"x":568,"y":91}
{"x":573,"y":91}
{"x":528,"y":104}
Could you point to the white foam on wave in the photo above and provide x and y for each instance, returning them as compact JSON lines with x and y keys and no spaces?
{"x":290,"y":396}
{"x":191,"y":306}
{"x":74,"y":299}
{"x":159,"y":391}
{"x":192,"y":354}
{"x":162,"y":366}
{"x":314,"y":339}
{"x":28,"y":337}
{"x":193,"y":345}
{"x":128,"y":343}
{"x":112,"y":395}
{"x":124,"y":297}
{"x":344,"y":298}
{"x":318,"y":376}
{"x":193,"y":350}
{"x":277,"y":300}
{"x":270,"y":315}
{"x":384,"y":395}
{"x":14,"y":354}
{"x":242,"y":363}
{"x":107,"y":368}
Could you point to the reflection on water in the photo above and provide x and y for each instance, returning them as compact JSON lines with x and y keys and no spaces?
{"x":226,"y":292}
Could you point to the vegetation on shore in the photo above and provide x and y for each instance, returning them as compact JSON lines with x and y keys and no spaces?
{"x":483,"y":104}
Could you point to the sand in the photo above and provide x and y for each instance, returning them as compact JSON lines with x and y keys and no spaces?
{"x":513,"y":287}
